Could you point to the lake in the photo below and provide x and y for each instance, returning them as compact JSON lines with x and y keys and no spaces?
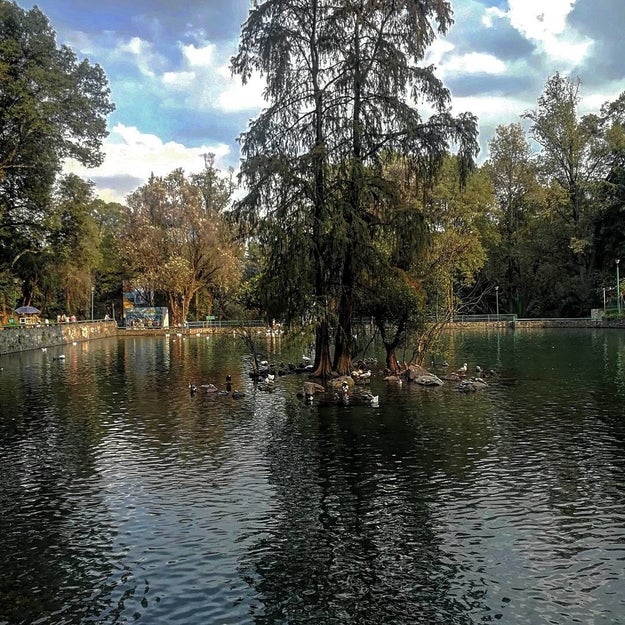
{"x":125,"y":498}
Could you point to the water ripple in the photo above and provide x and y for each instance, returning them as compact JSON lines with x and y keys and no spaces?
{"x":124,"y":498}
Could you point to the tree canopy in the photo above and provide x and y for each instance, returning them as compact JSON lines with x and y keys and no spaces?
{"x":176,"y":240}
{"x":52,"y":107}
{"x":344,"y":85}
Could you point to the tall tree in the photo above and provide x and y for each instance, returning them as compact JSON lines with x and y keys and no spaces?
{"x":575,"y":155}
{"x":610,"y":222}
{"x":52,"y":107}
{"x":342,"y":81}
{"x":286,"y":152}
{"x":512,"y":171}
{"x":176,"y":239}
{"x":461,"y":216}
{"x":73,"y":253}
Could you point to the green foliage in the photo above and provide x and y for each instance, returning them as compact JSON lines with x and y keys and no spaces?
{"x":175,"y":239}
{"x":341,"y":84}
{"x":52,"y":107}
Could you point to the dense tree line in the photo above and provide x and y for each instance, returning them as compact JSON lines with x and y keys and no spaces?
{"x":559,"y":205}
{"x":355,"y":202}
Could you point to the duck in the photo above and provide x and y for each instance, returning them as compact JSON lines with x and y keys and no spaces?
{"x":361,"y":376}
{"x":368,"y":399}
{"x":393,"y":379}
{"x":462,"y":369}
{"x":210,"y":388}
{"x":192,"y":388}
{"x":59,"y":357}
{"x":237,"y":394}
{"x":478,"y":369}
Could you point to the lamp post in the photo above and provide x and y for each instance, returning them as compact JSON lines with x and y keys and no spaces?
{"x":497,"y":300}
{"x":618,"y":289}
{"x":92,"y":292}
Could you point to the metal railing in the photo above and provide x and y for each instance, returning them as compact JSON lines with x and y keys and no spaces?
{"x":227,"y":323}
{"x":482,"y":318}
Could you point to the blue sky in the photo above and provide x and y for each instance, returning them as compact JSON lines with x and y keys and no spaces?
{"x":167,"y":65}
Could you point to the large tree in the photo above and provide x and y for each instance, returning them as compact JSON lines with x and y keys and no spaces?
{"x":575,"y":156}
{"x":73,"y":253}
{"x":52,"y":107}
{"x":343,"y":83}
{"x":176,"y":239}
{"x":512,"y":170}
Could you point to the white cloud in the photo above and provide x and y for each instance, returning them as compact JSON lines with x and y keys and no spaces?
{"x":545,"y":23}
{"x":143,"y":53}
{"x":438,"y":51}
{"x":178,"y":80}
{"x":202,"y":56}
{"x":488,"y":19}
{"x":129,"y":152}
{"x":473,"y":63}
{"x":539,"y":19}
{"x":205,"y":78}
{"x":492,"y":109}
{"x":238,"y":97}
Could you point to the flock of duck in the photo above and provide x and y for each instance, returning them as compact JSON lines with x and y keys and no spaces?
{"x":351,"y":389}
{"x":211,"y":389}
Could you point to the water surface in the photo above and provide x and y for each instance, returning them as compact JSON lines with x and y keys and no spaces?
{"x":124,"y":498}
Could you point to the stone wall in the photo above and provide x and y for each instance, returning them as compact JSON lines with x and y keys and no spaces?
{"x":541,"y":323}
{"x":22,"y":338}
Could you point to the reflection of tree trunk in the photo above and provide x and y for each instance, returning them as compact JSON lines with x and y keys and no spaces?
{"x":323,"y":363}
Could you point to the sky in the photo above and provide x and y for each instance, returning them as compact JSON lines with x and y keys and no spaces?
{"x":167,"y":65}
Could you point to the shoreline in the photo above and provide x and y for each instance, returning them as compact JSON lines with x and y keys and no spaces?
{"x":15,"y":339}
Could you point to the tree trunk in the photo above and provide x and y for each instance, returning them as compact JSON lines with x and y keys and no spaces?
{"x":323,"y":363}
{"x":176,"y":310}
{"x":343,"y":342}
{"x":391,"y":357}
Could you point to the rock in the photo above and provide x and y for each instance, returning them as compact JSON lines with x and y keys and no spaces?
{"x":428,"y":379}
{"x":311,"y":388}
{"x":416,"y":371}
{"x":337,"y":383}
{"x":471,"y":385}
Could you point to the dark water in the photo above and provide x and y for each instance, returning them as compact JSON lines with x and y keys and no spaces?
{"x":123,"y":498}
